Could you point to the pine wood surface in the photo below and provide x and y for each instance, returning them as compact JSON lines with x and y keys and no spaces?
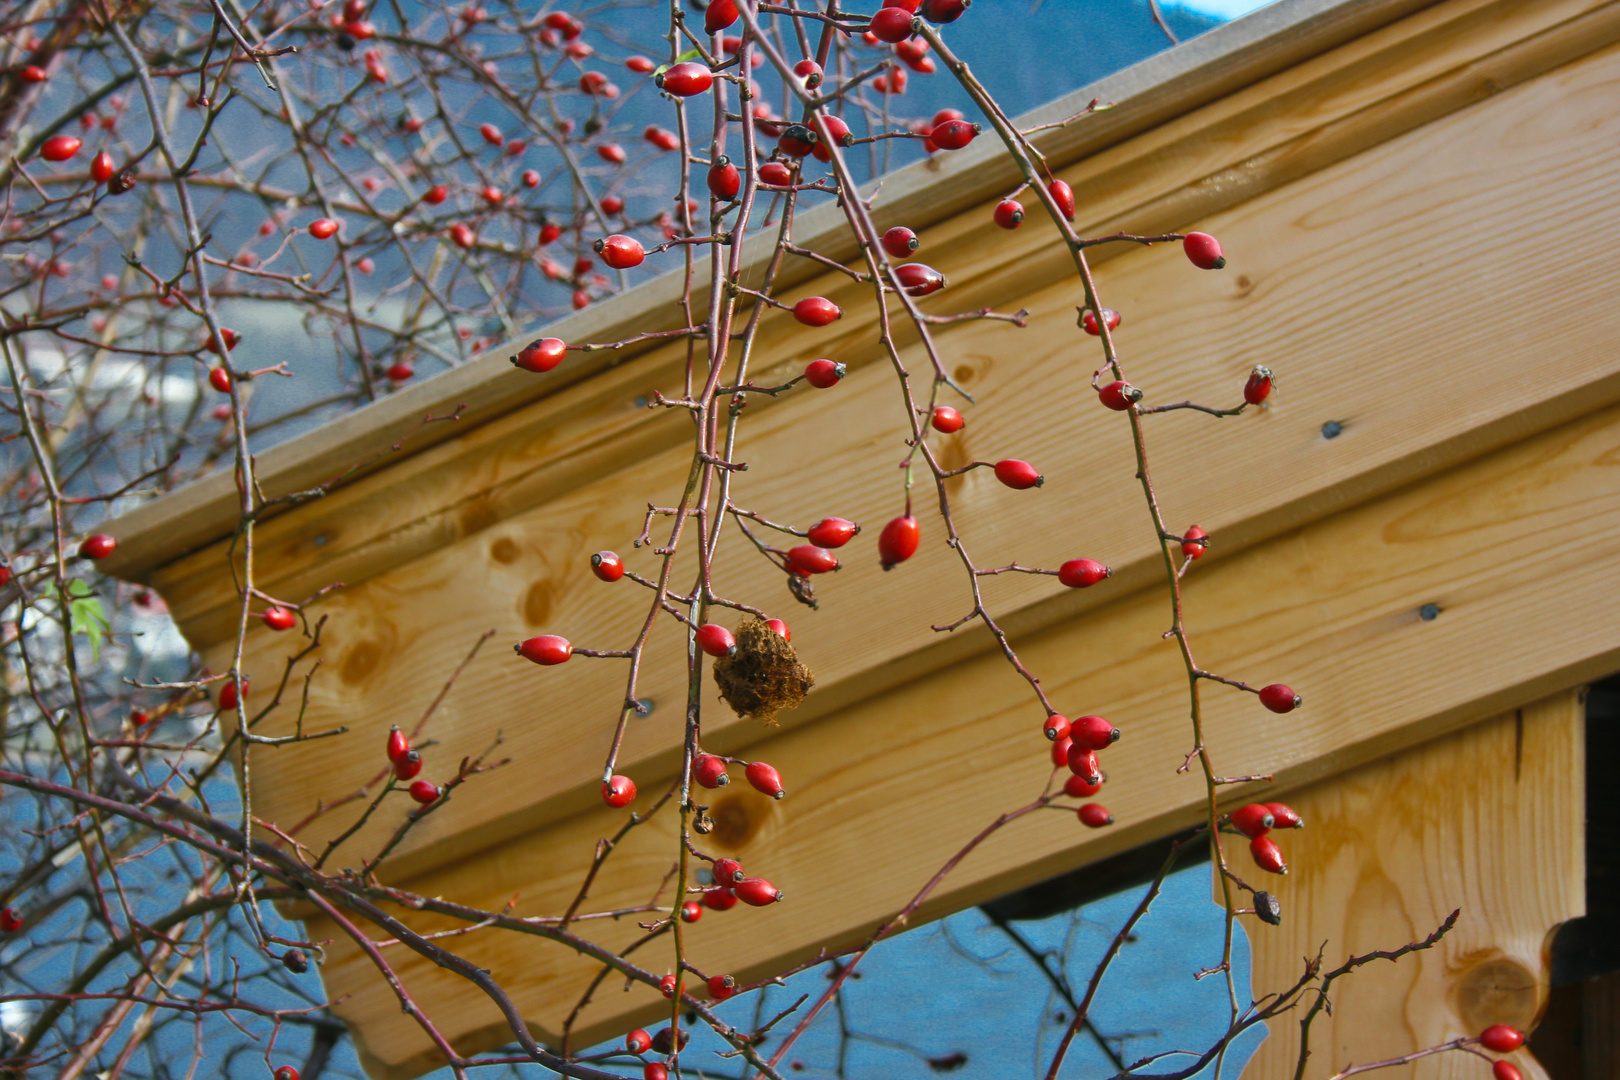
{"x":1284,"y":37}
{"x":1510,"y":547}
{"x":1489,"y":820}
{"x":1287,"y":127}
{"x":1407,"y":344}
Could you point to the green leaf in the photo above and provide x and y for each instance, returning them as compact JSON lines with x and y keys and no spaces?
{"x":85,"y":615}
{"x":689,"y":54}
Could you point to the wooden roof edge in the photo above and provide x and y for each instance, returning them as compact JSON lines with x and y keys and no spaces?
{"x":1148,"y":93}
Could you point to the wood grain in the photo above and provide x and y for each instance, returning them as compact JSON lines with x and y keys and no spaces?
{"x":1510,"y":547}
{"x":1421,"y":382}
{"x":1146,"y":94}
{"x":1490,"y":820}
{"x":1229,"y":151}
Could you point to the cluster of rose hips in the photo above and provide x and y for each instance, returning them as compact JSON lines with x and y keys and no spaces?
{"x":103,"y":170}
{"x":688,"y":78}
{"x":1204,"y":251}
{"x":407,"y":765}
{"x":1256,"y":821}
{"x":709,"y":770}
{"x":731,"y":884}
{"x":1075,"y":743}
{"x":639,"y":1043}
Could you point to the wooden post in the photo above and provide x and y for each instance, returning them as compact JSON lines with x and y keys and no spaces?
{"x":1490,"y":820}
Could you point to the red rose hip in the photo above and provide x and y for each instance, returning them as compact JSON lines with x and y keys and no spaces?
{"x":398,"y":744}
{"x":685,"y":79}
{"x":227,"y":694}
{"x":817,"y":311}
{"x":1094,"y":733}
{"x":719,"y":15}
{"x":1502,"y":1038}
{"x":724,"y":179}
{"x":757,"y":892}
{"x":727,"y":871}
{"x":1253,"y":820}
{"x":620,"y":252}
{"x":953,"y":134}
{"x":899,"y":541}
{"x":607,"y":565}
{"x":919,"y":279}
{"x":765,"y":779}
{"x":1009,"y":213}
{"x":97,"y":546}
{"x":541,"y":356}
{"x":1195,"y":543}
{"x":1018,"y":475}
{"x":1057,"y":727}
{"x":1279,"y":698}
{"x":947,"y":419}
{"x":1088,"y":321}
{"x":833,"y":532}
{"x":709,"y":771}
{"x":1083,"y":761}
{"x":619,"y":791}
{"x":1203,"y":251}
{"x":716,"y":640}
{"x":1063,"y":195}
{"x":824,"y":373}
{"x":1080,"y":787}
{"x":1095,"y":815}
{"x":1284,"y":816}
{"x":1119,"y":395}
{"x":811,"y":559}
{"x":892,"y":24}
{"x":900,"y":242}
{"x":60,"y":147}
{"x":1083,"y":573}
{"x":1258,"y":388}
{"x":1267,"y":855}
{"x":547,"y":649}
{"x":425,"y":791}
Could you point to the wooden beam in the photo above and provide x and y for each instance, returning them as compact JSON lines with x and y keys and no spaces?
{"x":1416,"y":386}
{"x":1369,"y":91}
{"x":1213,"y":66}
{"x":1511,"y":548}
{"x":1489,"y":820}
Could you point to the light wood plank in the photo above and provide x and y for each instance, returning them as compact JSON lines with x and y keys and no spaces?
{"x":1189,"y":172}
{"x":1528,"y":171}
{"x":1508,"y":546}
{"x":1490,"y":820}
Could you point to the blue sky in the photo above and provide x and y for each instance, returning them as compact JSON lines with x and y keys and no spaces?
{"x":1224,"y":9}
